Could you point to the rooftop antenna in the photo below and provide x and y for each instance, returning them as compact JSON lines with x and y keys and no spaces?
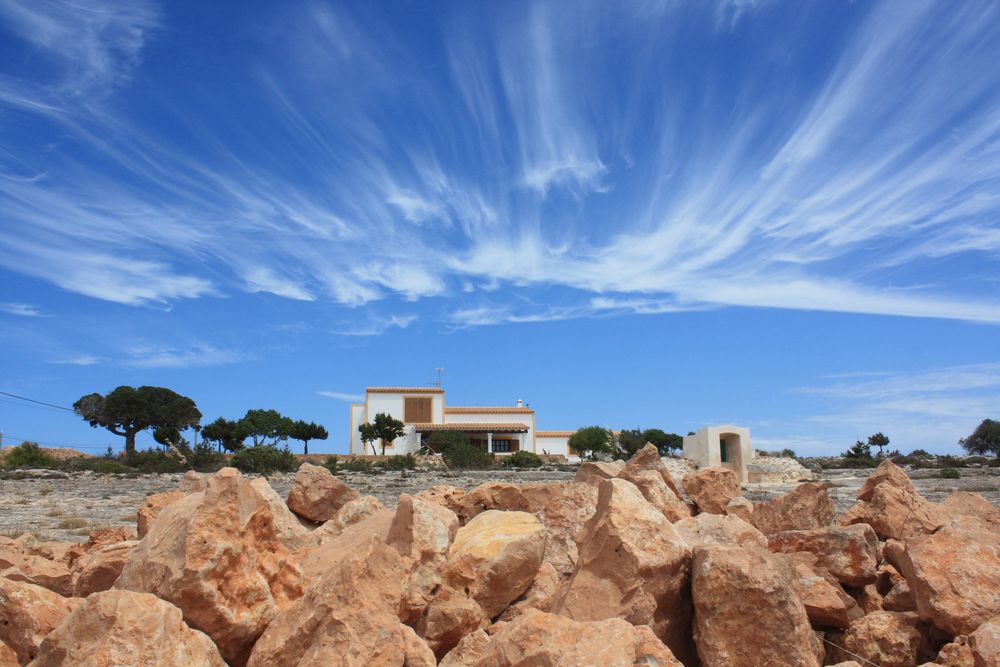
{"x":440,"y":372}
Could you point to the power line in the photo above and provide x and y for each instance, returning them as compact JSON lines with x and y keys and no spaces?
{"x":31,"y":400}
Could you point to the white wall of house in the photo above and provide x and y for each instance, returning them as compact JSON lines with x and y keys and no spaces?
{"x":526,"y":418}
{"x":392,"y":403}
{"x":555,"y":443}
{"x":705,"y":448}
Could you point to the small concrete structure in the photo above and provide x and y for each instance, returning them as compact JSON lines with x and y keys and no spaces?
{"x":727,"y":446}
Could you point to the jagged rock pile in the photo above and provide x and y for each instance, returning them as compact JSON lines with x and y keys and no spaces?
{"x":619,"y":567}
{"x":777,"y":470}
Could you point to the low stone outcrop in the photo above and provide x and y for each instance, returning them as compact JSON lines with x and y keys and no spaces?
{"x":953,"y":575}
{"x":126,"y":628}
{"x":886,"y":473}
{"x":98,"y":570}
{"x":316,"y":494}
{"x":442,"y":494}
{"x":347,"y":616}
{"x":849,"y":553}
{"x":711,"y":489}
{"x":28,"y":613}
{"x":808,"y":506}
{"x":634,"y":566}
{"x":215,"y":554}
{"x":547,"y":640}
{"x":151,"y":508}
{"x":492,"y":561}
{"x":884,"y":638}
{"x":719,"y":529}
{"x":747,"y":611}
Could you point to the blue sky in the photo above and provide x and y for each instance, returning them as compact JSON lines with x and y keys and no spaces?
{"x":782,"y":215}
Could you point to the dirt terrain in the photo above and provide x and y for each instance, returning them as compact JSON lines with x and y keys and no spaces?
{"x":67,"y":506}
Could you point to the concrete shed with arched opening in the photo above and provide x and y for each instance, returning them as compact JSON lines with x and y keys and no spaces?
{"x":724,"y":446}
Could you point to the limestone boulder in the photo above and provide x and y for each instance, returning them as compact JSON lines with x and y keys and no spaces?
{"x":648,"y":459}
{"x":468,"y":651}
{"x":492,"y":561}
{"x":953,"y":575}
{"x":99,"y":569}
{"x":718,"y":529}
{"x":711,"y":489}
{"x":899,"y":598}
{"x":445,"y":495}
{"x":650,"y":483}
{"x":592,"y":472}
{"x":849,"y":553}
{"x":896,"y":514}
{"x":747,"y":610}
{"x":357,"y":510}
{"x":215,"y":554}
{"x":7,"y":656}
{"x":547,"y":640}
{"x":151,"y":508}
{"x":808,"y":506}
{"x":966,"y":503}
{"x":542,"y":594}
{"x":740,"y":507}
{"x":292,"y":531}
{"x":887,"y":473}
{"x":826,"y":603}
{"x":28,"y":613}
{"x":984,"y":644}
{"x":193,"y":481}
{"x":126,"y":628}
{"x":868,"y":598}
{"x":633,"y":565}
{"x":956,"y":653}
{"x":42,"y":563}
{"x":347,"y":616}
{"x":315,"y":560}
{"x":884,"y":638}
{"x":422,"y":532}
{"x":316,"y":494}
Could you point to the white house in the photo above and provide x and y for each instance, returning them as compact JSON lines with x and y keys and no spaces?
{"x":727,"y":446}
{"x":502,"y":430}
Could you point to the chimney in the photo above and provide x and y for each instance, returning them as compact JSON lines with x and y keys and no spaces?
{"x":520,"y":403}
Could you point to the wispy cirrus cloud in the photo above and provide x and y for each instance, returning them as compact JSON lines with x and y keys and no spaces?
{"x":374,"y":326}
{"x":342,"y":396}
{"x":22,"y":310}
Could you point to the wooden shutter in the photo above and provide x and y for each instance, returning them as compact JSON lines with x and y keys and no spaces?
{"x":417,"y":410}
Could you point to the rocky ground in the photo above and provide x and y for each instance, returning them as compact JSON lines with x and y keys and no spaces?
{"x":68,"y":506}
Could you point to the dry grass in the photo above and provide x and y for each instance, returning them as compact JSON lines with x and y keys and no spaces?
{"x":45,"y":490}
{"x":127,"y":517}
{"x":73,"y":522}
{"x":18,"y":530}
{"x":55,"y":512}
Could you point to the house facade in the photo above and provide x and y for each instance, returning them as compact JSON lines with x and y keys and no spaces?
{"x":727,"y":446}
{"x":502,"y":430}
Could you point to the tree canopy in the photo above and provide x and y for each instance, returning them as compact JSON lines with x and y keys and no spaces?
{"x":225,"y":433}
{"x":665,"y":442}
{"x":860,"y":450}
{"x":630,"y":441}
{"x":386,"y":428}
{"x":128,"y":410}
{"x":879,"y":440}
{"x":306,"y":431}
{"x":441,"y":441}
{"x":264,"y":427}
{"x":984,"y":440}
{"x":592,"y":440}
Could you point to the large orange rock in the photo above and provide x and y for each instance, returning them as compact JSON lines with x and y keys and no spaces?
{"x":808,"y":506}
{"x":899,"y":598}
{"x":151,"y":508}
{"x":126,"y":628}
{"x":446,"y":495}
{"x":592,"y":472}
{"x":216,"y":555}
{"x":347,"y":616}
{"x":7,"y":656}
{"x":634,"y":566}
{"x":886,"y":473}
{"x":884,"y":638}
{"x":315,"y":560}
{"x":43,"y":563}
{"x":747,"y":611}
{"x":740,"y":507}
{"x":546,"y":640}
{"x":422,"y":532}
{"x":492,"y":561}
{"x":316,"y":494}
{"x":27,"y":614}
{"x":896,"y":514}
{"x":650,"y":483}
{"x":954,"y":654}
{"x":98,"y":570}
{"x":542,"y":595}
{"x":984,"y":644}
{"x":826,"y":603}
{"x":719,"y":529}
{"x":953,"y":575}
{"x":849,"y":553}
{"x":966,"y":503}
{"x":290,"y":529}
{"x":648,"y":459}
{"x":711,"y":489}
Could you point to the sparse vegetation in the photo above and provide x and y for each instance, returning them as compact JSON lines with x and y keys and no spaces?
{"x":28,"y":455}
{"x":401,"y":462}
{"x":359,"y":464}
{"x":128,"y":410}
{"x":984,"y":440}
{"x":264,"y":460}
{"x":950,"y":473}
{"x":73,"y":523}
{"x":523,"y":460}
{"x":468,"y":457}
{"x":591,"y":441}
{"x":439,"y":442}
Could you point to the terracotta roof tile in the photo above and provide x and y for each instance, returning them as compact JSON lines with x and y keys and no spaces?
{"x":496,"y":427}
{"x":404,"y":390}
{"x":499,"y":410}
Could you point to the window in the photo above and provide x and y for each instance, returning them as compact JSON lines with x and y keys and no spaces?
{"x":417,"y":409}
{"x":502,"y":446}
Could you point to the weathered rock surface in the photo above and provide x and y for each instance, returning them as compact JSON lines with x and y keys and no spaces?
{"x":27,"y":614}
{"x":849,"y":553}
{"x":346,"y":617}
{"x":808,"y":506}
{"x":99,"y":569}
{"x":151,"y":508}
{"x":314,"y":561}
{"x":634,"y":566}
{"x":422,"y":532}
{"x":899,"y":598}
{"x":887,"y":473}
{"x":216,"y":555}
{"x":542,"y":595}
{"x":884,"y":638}
{"x":316,"y":494}
{"x":895,"y":513}
{"x":592,"y":472}
{"x":446,"y":495}
{"x":290,"y":529}
{"x":650,"y":483}
{"x":984,"y":644}
{"x":492,"y":561}
{"x":7,"y":656}
{"x":648,"y":459}
{"x":547,"y":640}
{"x":719,"y":529}
{"x":825,"y":601}
{"x":126,"y":628}
{"x":747,"y":611}
{"x":740,"y":507}
{"x":953,"y":575}
{"x":711,"y":489}
{"x":966,"y":503}
{"x":42,"y":563}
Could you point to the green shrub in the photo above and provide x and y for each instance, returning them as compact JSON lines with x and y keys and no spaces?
{"x":29,"y":455}
{"x":264,"y":460}
{"x":154,"y":461}
{"x":523,"y":460}
{"x":399,"y":462}
{"x":332,"y":464}
{"x":359,"y":464}
{"x":468,"y":457}
{"x":441,"y":441}
{"x":950,"y":473}
{"x":949,"y":461}
{"x":857,"y":462}
{"x":976,"y":460}
{"x":204,"y":458}
{"x":108,"y":466}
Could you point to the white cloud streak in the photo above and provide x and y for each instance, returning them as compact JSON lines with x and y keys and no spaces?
{"x":22,"y":310}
